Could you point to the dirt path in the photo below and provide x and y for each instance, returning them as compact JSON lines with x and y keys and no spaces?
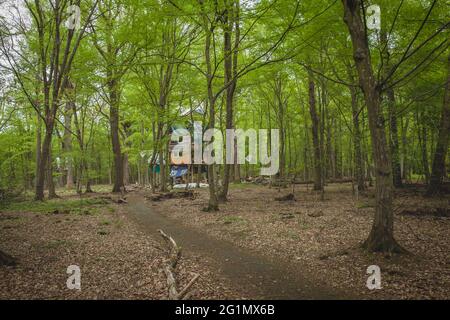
{"x":257,"y":275}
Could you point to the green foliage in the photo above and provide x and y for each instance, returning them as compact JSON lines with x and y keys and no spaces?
{"x":156,"y":52}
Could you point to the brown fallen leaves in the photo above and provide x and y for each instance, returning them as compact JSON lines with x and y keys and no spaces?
{"x":323,"y":237}
{"x":117,"y":260}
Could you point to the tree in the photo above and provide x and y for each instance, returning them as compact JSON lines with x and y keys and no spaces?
{"x":54,"y":61}
{"x":231,"y":53}
{"x":359,"y":164}
{"x":438,"y":169}
{"x":392,"y":112}
{"x":117,"y":51}
{"x":381,"y":237}
{"x":67,"y":139}
{"x":209,"y":25}
{"x":315,"y":127}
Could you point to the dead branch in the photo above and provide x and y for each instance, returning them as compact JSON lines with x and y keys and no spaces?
{"x":169,"y":270}
{"x":187,"y":194}
{"x":289,"y":197}
{"x":183,"y":293}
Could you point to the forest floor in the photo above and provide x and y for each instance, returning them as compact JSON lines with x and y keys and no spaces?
{"x":116,"y":259}
{"x":259,"y":275}
{"x":320,"y":240}
{"x":254,"y":247}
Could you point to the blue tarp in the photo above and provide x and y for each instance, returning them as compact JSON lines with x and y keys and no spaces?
{"x":178,"y":171}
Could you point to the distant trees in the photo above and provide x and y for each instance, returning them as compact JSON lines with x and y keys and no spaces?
{"x":357,"y":137}
{"x":438,"y":171}
{"x":55,"y":48}
{"x":117,"y":51}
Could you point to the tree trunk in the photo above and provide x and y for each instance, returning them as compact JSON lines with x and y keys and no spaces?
{"x":359,"y":163}
{"x":50,"y":181}
{"x":381,"y":237}
{"x":88,"y":186}
{"x":393,"y":140}
{"x":126,"y":170}
{"x":230,"y":63}
{"x":237,"y":173}
{"x":213,"y":204}
{"x":315,"y":134}
{"x":280,"y":112}
{"x":438,"y":170}
{"x":403,"y":158}
{"x":162,"y":171}
{"x":67,"y":144}
{"x":115,"y":138}
{"x":38,"y":146}
{"x":42,"y":167}
{"x":393,"y":127}
{"x":422,"y":135}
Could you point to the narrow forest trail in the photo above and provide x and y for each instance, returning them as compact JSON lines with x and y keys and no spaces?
{"x":258,"y":276}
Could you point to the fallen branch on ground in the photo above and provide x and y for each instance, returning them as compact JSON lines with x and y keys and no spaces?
{"x":289,"y":197}
{"x":189,"y":194}
{"x":169,"y":270}
{"x":115,"y":199}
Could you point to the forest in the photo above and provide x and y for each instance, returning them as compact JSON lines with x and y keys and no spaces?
{"x":348,"y":99}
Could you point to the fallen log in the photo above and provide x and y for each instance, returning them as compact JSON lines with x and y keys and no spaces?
{"x":160,"y":196}
{"x":289,"y":197}
{"x":189,"y":194}
{"x":169,"y":270}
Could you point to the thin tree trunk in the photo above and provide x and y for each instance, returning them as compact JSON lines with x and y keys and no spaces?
{"x":115,"y":138}
{"x":230,"y":64}
{"x":162,"y":171}
{"x":38,"y":146}
{"x":213,"y":204}
{"x":126,"y":170}
{"x":315,"y":122}
{"x":229,"y":91}
{"x":393,"y":128}
{"x":67,"y":144}
{"x":50,"y":181}
{"x":438,"y":170}
{"x":393,"y":140}
{"x":359,"y":164}
{"x":42,"y":167}
{"x":404,"y":160}
{"x":422,"y":135}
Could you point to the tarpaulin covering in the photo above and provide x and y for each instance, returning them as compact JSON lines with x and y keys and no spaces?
{"x":178,"y":171}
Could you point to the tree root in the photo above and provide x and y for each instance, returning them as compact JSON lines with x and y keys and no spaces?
{"x":383,"y":244}
{"x":211,"y":208}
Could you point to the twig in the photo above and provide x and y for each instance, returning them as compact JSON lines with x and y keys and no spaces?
{"x":185,"y":290}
